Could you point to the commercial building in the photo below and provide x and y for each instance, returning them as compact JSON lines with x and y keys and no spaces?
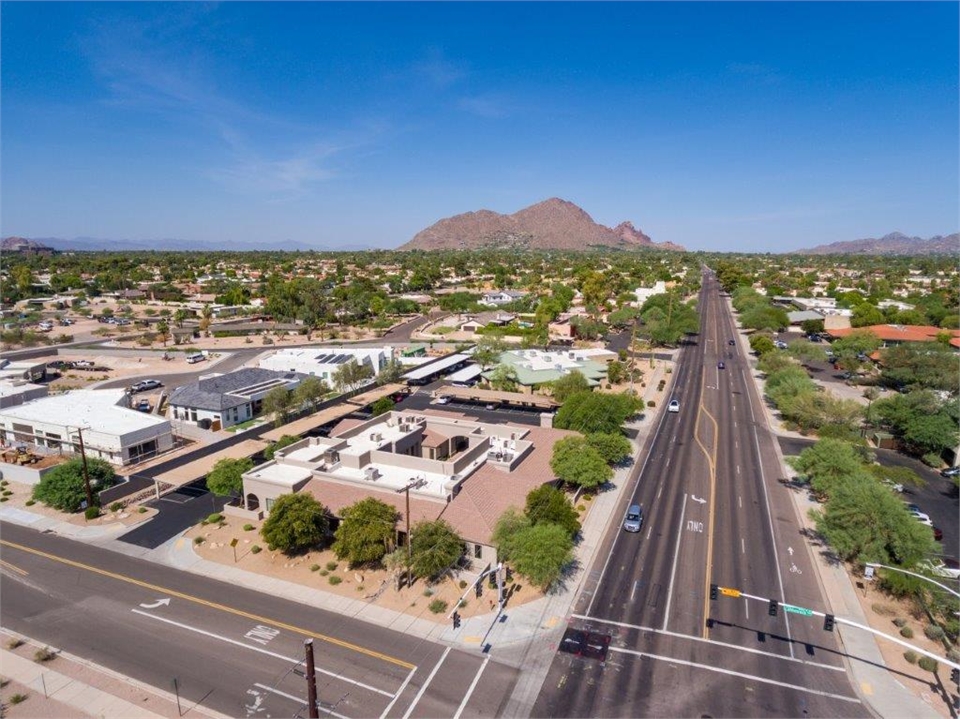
{"x":536,"y":367}
{"x":323,"y":362}
{"x":19,"y":391}
{"x":111,"y":430}
{"x":222,"y":400}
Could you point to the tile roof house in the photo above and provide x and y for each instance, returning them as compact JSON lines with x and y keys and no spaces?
{"x":228,"y":399}
{"x":892,"y":335}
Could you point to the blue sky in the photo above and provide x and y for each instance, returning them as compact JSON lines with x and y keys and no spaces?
{"x":718,"y":126}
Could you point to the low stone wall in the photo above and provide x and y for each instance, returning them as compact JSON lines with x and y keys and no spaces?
{"x":24,"y":474}
{"x":234,"y":511}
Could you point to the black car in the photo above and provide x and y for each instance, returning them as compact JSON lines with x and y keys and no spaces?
{"x":950,"y":472}
{"x":731,"y":342}
{"x":720,"y":365}
{"x":590,"y":645}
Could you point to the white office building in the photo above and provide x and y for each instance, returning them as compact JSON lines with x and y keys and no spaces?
{"x":323,"y":362}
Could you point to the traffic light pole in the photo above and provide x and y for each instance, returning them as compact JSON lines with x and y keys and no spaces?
{"x":840,"y":620}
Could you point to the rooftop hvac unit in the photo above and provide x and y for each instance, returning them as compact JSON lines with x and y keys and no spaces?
{"x":371,"y":473}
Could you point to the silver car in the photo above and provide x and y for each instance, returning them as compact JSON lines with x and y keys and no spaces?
{"x":634,"y":519}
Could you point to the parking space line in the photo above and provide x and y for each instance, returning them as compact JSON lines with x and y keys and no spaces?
{"x":292,"y":660}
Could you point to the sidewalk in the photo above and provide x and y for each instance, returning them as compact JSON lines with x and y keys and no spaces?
{"x":879,"y":690}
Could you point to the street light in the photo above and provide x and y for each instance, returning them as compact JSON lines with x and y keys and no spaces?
{"x":913,"y":574}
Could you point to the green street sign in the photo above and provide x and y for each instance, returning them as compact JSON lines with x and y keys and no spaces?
{"x":797,"y":610}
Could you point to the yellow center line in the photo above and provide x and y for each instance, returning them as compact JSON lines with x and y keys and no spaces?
{"x":7,"y":565}
{"x":213,"y":605}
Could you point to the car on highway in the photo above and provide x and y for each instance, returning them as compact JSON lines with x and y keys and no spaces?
{"x":720,"y":365}
{"x":634,"y":519}
{"x":946,"y":567}
{"x":950,"y":472}
{"x":731,"y":342}
{"x":674,"y":406}
{"x":146,"y":385}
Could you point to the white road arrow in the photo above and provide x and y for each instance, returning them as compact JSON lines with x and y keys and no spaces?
{"x":790,"y":551}
{"x":158,"y":603}
{"x":695,"y":498}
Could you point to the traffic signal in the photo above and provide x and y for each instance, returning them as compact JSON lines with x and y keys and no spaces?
{"x":493,"y":580}
{"x":456,"y":620}
{"x":479,"y":589}
{"x":828,"y":622}
{"x":772,"y":608}
{"x":509,"y":574}
{"x":714,"y":592}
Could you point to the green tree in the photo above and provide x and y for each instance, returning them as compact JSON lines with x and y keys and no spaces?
{"x":920,"y":365}
{"x":541,"y":552}
{"x":616,"y":372}
{"x":569,"y":385}
{"x":807,"y":352}
{"x":391,"y":372}
{"x":548,"y":504}
{"x":367,"y":531}
{"x":510,"y":523}
{"x":163,"y":331}
{"x":309,"y":392}
{"x":226,"y":477}
{"x":865,"y":522}
{"x":351,"y":375}
{"x":865,"y":315}
{"x":63,"y":487}
{"x":278,"y":402}
{"x":504,"y":378}
{"x":590,"y":412}
{"x":297,"y":522}
{"x":382,"y":406}
{"x":576,"y":462}
{"x":614,"y":448}
{"x":761,"y":344}
{"x":434,"y":547}
{"x":488,"y":350}
{"x":829,"y":463}
{"x":284,"y":441}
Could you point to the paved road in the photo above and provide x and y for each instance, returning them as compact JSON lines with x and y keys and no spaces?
{"x":231,"y":649}
{"x":178,"y":510}
{"x":709,"y":518}
{"x":938,"y":497}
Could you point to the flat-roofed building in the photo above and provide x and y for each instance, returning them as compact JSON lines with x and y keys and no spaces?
{"x":323,"y":362}
{"x":14,"y":392}
{"x":536,"y":367}
{"x":111,"y":430}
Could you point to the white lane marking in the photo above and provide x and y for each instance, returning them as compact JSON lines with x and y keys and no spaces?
{"x":300,"y":700}
{"x":730,"y":672}
{"x":399,"y":692}
{"x":746,"y":608}
{"x":743,"y":547}
{"x":676,"y":554}
{"x":423,"y":689}
{"x":649,"y":532}
{"x":738,"y":469}
{"x":740,"y":501}
{"x":473,"y":685}
{"x":659,"y":491}
{"x":258,"y":649}
{"x":695,"y":638}
{"x":773,"y":536}
{"x":633,"y":592}
{"x":643,"y":467}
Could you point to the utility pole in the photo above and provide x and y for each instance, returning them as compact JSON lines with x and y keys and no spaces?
{"x":311,"y":680}
{"x":86,"y":474}
{"x":412,"y":484}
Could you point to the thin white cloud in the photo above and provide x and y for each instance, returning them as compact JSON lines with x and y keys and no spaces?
{"x":437,"y":70}
{"x":484,"y":105}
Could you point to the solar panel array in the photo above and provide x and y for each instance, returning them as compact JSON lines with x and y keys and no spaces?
{"x":332,"y":359}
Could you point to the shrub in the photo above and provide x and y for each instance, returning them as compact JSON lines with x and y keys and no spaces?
{"x":91,"y":512}
{"x":324,"y":572}
{"x":463,"y":584}
{"x":911,"y":656}
{"x":581,"y":508}
{"x":30,"y":502}
{"x":428,"y":592}
{"x":44,"y":655}
{"x":934,"y":633}
{"x":334,"y":579}
{"x":900,"y":622}
{"x":6,"y":493}
{"x":314,"y":567}
{"x":215,"y":518}
{"x":932,"y":459}
{"x":331,"y":566}
{"x":4,"y":499}
{"x":14,"y":643}
{"x":116,"y":507}
{"x":928,"y":664}
{"x":141,"y":510}
{"x":651,"y":403}
{"x":953,"y":654}
{"x":18,"y":698}
{"x":198,"y":540}
{"x":256,"y":549}
{"x":248,"y":527}
{"x":438,"y":606}
{"x":906,"y":633}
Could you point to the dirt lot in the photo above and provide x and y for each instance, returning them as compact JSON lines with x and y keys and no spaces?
{"x":319,"y":569}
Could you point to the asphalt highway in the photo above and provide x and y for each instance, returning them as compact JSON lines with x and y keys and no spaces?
{"x":713,"y":514}
{"x":234,"y":650}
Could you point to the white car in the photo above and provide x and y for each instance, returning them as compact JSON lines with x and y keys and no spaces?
{"x":443,"y":400}
{"x":674,"y":406}
{"x":922,"y":516}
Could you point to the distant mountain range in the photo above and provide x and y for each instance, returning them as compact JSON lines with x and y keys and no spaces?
{"x":553,"y":224}
{"x":95,"y":244}
{"x":896,"y":243}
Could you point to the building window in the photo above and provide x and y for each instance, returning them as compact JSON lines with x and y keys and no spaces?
{"x":269,"y":503}
{"x":478,"y":551}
